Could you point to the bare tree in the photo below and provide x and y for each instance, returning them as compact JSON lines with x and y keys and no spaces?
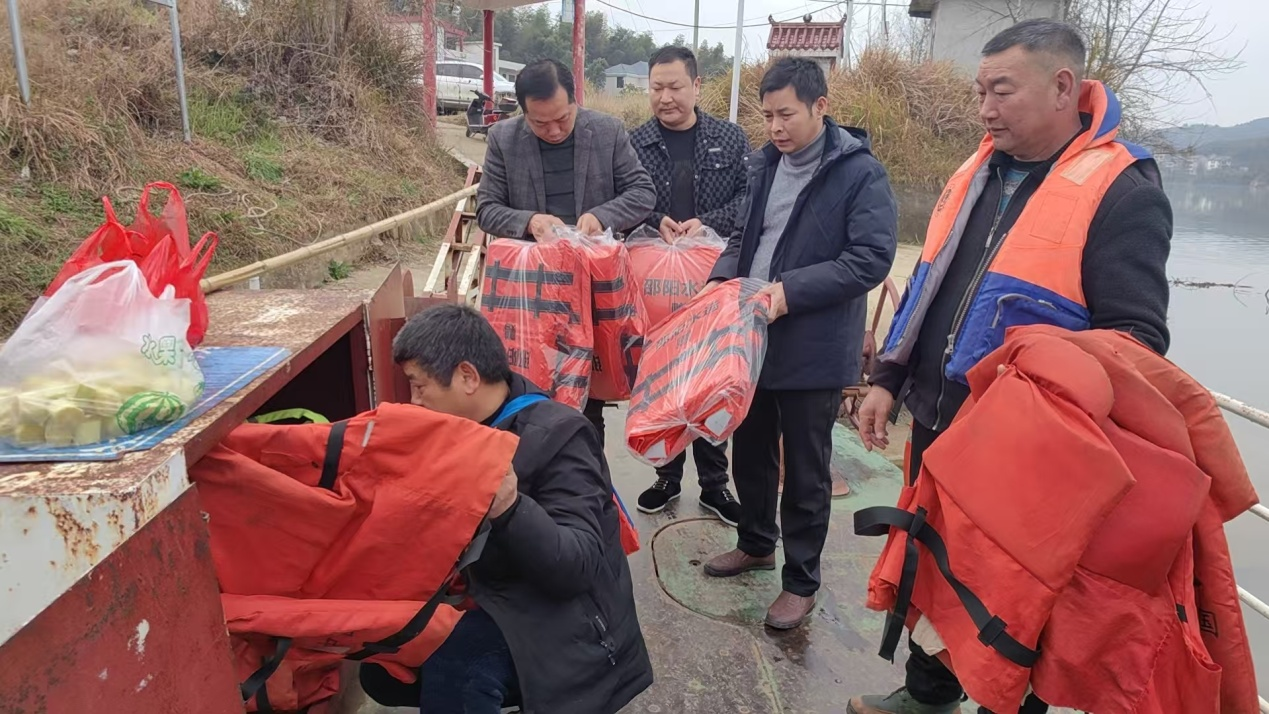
{"x":1151,"y":53}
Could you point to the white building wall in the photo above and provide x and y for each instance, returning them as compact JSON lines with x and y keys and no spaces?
{"x":962,"y":27}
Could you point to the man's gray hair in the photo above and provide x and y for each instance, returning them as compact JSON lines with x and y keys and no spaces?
{"x":1042,"y":35}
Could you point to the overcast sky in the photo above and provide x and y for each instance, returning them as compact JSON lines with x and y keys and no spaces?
{"x":1236,"y":98}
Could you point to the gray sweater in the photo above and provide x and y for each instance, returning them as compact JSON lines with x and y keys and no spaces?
{"x":792,"y":175}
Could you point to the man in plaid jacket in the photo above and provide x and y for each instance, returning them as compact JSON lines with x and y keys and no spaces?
{"x":695,"y":164}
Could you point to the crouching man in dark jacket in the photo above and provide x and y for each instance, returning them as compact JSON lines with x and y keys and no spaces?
{"x":819,"y":222}
{"x":555,"y":620}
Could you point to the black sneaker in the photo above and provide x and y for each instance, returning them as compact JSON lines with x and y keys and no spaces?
{"x":723,"y":504}
{"x":655,"y":499}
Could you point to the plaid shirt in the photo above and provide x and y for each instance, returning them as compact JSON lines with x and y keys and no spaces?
{"x":720,"y":174}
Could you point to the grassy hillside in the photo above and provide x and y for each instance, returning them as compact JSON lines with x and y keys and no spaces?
{"x":305,"y":117}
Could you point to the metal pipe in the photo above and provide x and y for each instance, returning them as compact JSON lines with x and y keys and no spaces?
{"x":175,"y":22}
{"x":429,"y":61}
{"x":1253,"y":602}
{"x":579,"y":51}
{"x":696,"y":28}
{"x":247,"y":272}
{"x":19,"y":52}
{"x":1242,"y":409}
{"x":737,"y":51}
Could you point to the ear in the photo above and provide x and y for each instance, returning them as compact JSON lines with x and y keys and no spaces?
{"x":821,"y":107}
{"x":466,"y":378}
{"x":1068,"y":89}
{"x":697,"y":84}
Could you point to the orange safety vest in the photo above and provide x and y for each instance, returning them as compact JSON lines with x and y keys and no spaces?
{"x":537,"y":296}
{"x":671,"y":274}
{"x":1066,"y":532}
{"x":1034,"y":274}
{"x":337,"y":541}
{"x":618,"y":317}
{"x":699,"y":372}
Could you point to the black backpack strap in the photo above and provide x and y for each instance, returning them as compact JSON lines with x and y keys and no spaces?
{"x":334,"y":448}
{"x":254,"y":686}
{"x":392,"y":643}
{"x":878,"y":521}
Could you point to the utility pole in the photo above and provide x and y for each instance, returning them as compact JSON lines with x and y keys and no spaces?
{"x":696,"y":28}
{"x":19,"y":50}
{"x":735,"y":60}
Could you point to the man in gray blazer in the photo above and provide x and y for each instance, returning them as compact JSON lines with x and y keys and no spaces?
{"x":560,"y":165}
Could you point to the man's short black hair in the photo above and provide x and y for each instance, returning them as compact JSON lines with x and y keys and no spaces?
{"x":804,"y":75}
{"x":542,"y":79}
{"x":443,"y":337}
{"x":1042,"y":35}
{"x":673,"y":53}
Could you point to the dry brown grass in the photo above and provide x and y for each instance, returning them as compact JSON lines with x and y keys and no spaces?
{"x":305,"y":115}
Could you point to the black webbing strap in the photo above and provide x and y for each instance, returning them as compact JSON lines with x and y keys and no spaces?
{"x":254,"y":685}
{"x":567,"y":352}
{"x":698,"y":366}
{"x":392,"y":643}
{"x":877,"y":521}
{"x":334,"y":447}
{"x":535,"y":304}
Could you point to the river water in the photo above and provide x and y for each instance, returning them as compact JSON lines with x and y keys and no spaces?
{"x":1220,"y":335}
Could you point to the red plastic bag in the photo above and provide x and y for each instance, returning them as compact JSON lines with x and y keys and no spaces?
{"x":159,"y":245}
{"x":537,"y":297}
{"x":617,"y":315}
{"x":671,"y":274}
{"x":164,"y":266}
{"x":699,"y":372}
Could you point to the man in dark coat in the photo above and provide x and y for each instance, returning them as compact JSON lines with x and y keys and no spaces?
{"x":819,"y":222}
{"x":695,"y":162}
{"x":555,"y":619}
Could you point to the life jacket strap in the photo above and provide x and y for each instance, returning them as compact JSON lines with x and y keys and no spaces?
{"x":254,"y":685}
{"x":992,"y":631}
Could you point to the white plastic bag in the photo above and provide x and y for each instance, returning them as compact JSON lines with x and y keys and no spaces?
{"x":101,"y":358}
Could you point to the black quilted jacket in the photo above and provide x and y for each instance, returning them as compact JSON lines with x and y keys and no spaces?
{"x":720,"y":176}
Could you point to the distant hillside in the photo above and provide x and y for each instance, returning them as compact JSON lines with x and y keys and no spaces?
{"x":1199,"y":137}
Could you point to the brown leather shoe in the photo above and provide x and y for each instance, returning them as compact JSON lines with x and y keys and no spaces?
{"x":789,"y":610}
{"x":735,"y":562}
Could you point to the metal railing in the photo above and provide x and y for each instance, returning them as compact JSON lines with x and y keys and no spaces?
{"x":1260,"y":417}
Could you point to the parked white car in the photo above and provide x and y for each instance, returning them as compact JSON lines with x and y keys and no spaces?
{"x":456,"y":80}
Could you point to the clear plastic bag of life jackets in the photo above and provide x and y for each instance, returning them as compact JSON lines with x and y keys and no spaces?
{"x":537,"y":296}
{"x":670,"y":274}
{"x":101,"y":358}
{"x":699,"y":371}
{"x":617,"y":314}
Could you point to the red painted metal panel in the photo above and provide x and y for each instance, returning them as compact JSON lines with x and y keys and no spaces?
{"x":579,"y":49}
{"x":141,"y":633}
{"x":489,"y":53}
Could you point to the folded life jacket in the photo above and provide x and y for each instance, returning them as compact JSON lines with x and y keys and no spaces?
{"x":537,"y":297}
{"x":341,"y":541}
{"x":671,"y":274}
{"x":699,"y":372}
{"x":1065,"y":532}
{"x":629,"y":535}
{"x":618,"y":317}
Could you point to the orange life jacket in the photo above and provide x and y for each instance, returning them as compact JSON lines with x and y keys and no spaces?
{"x":699,"y":372}
{"x":1058,"y":529}
{"x":671,"y":274}
{"x":337,"y":541}
{"x":618,"y":317}
{"x":537,"y":296}
{"x":1034,"y":274}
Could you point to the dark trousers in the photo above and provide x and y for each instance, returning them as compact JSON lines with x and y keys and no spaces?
{"x":928,"y":681}
{"x":805,"y":420}
{"x":594,"y":410}
{"x":471,"y":672}
{"x":711,"y":465}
